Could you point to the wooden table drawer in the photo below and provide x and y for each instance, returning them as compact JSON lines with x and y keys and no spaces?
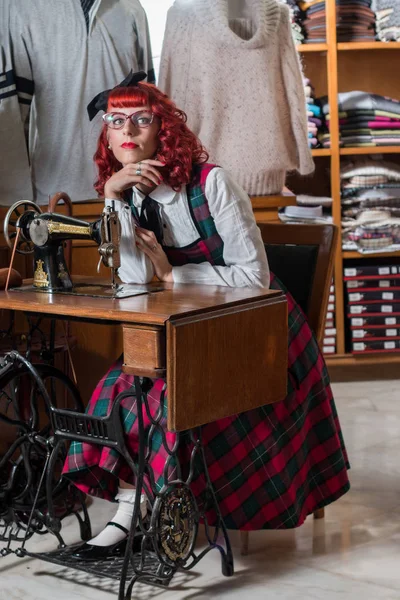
{"x":144,"y":350}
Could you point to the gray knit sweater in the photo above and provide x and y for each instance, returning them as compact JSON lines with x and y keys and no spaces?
{"x":53,"y":62}
{"x":233,"y":68}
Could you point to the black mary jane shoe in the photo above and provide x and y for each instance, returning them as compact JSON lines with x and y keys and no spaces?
{"x":91,"y":552}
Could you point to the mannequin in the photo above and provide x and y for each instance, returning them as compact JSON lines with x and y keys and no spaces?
{"x":53,"y":51}
{"x":239,"y":9}
{"x":212,"y":49}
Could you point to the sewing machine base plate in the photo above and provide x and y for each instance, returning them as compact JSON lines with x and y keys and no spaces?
{"x":125,"y":290}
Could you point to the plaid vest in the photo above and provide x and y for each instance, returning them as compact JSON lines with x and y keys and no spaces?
{"x":209,"y":247}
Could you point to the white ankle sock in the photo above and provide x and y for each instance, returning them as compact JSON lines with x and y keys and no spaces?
{"x":111,"y":534}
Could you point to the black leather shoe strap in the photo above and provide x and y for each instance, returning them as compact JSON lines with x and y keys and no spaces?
{"x":121,"y":527}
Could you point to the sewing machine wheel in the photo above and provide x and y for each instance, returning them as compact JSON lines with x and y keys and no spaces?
{"x":27,"y":426}
{"x":15,"y":211}
{"x":175,"y":519}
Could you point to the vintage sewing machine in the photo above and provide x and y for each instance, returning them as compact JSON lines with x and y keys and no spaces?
{"x":45,"y":235}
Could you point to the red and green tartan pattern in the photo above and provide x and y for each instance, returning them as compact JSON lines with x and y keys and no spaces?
{"x":270,"y":467}
{"x":209,"y":246}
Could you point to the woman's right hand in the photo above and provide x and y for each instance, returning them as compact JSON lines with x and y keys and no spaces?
{"x":126,"y":178}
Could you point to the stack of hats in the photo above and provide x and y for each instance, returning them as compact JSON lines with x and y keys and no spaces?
{"x":355,"y":21}
{"x":373,"y":307}
{"x":315,"y":20}
{"x":364,"y":120}
{"x":387,"y":24}
{"x":370,"y":198}
{"x":314,"y":114}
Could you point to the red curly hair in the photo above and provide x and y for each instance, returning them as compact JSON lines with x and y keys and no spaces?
{"x":178,"y":147}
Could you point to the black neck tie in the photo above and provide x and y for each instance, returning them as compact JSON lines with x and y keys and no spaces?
{"x":149,"y":217}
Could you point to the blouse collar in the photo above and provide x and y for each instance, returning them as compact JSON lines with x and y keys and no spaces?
{"x":163,"y":194}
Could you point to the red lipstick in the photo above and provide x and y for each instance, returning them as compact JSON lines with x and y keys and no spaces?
{"x":129,"y":145}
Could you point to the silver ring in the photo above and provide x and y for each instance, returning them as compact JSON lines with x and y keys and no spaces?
{"x":138,"y":171}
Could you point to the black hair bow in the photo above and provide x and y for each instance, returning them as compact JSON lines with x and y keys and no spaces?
{"x":100,"y":101}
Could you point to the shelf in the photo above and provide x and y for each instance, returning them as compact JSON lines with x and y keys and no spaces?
{"x":346,"y":46}
{"x":349,"y":367}
{"x":368,"y":46}
{"x":370,"y":150}
{"x":312,"y":47}
{"x":276,"y":201}
{"x":354,"y":254}
{"x":321,"y":152}
{"x":360,"y":360}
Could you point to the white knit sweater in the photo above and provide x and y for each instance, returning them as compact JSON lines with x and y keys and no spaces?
{"x":237,"y":75}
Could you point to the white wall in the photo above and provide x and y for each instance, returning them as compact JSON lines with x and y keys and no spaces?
{"x":156,"y":11}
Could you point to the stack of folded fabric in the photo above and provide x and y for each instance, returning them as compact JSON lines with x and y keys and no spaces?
{"x":387,"y":24}
{"x":297,"y":18}
{"x":329,"y":342}
{"x":370,"y":198}
{"x":355,"y":21}
{"x":373,"y":307}
{"x":315,"y":21}
{"x":309,"y":209}
{"x":303,"y":214}
{"x":307,"y":200}
{"x":364,"y":120}
{"x":314,"y":114}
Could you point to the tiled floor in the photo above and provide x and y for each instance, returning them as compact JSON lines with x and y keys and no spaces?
{"x":354,"y":553}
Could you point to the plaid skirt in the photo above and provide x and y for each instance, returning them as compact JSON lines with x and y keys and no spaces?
{"x":270,"y":467}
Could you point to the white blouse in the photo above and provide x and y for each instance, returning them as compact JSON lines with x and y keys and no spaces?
{"x":244,"y":253}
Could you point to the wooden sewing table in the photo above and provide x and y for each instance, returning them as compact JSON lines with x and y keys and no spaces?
{"x":222,"y":350}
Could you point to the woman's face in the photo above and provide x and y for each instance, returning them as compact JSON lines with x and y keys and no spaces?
{"x":132,"y":143}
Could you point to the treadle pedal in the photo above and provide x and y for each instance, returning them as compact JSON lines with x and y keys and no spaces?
{"x":9,"y":531}
{"x":148,"y":570}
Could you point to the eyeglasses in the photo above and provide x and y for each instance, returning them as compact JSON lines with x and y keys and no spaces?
{"x":141,"y":119}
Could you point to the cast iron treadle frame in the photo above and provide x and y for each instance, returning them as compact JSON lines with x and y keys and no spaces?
{"x":166,"y":539}
{"x":23,"y":502}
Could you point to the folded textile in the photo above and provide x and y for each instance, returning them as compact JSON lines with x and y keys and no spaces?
{"x":387,"y":19}
{"x":371,"y":121}
{"x":314,"y":114}
{"x":361,"y":113}
{"x":315,"y":110}
{"x":370,"y":166}
{"x":376,"y":133}
{"x":306,"y":200}
{"x":383,"y":194}
{"x":369,"y":125}
{"x":360,"y":101}
{"x":370,"y":197}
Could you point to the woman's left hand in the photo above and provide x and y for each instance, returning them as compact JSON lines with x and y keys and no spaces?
{"x":147,"y":242}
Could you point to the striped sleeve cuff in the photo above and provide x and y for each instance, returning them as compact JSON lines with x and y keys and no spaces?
{"x":11,"y":85}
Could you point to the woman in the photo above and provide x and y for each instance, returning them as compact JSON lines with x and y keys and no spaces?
{"x":271,"y":466}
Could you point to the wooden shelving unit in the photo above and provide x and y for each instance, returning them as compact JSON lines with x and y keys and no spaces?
{"x":321,"y":152}
{"x":370,"y":150}
{"x":312,"y":47}
{"x":346,"y":254}
{"x":340,"y":67}
{"x":368,"y":46}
